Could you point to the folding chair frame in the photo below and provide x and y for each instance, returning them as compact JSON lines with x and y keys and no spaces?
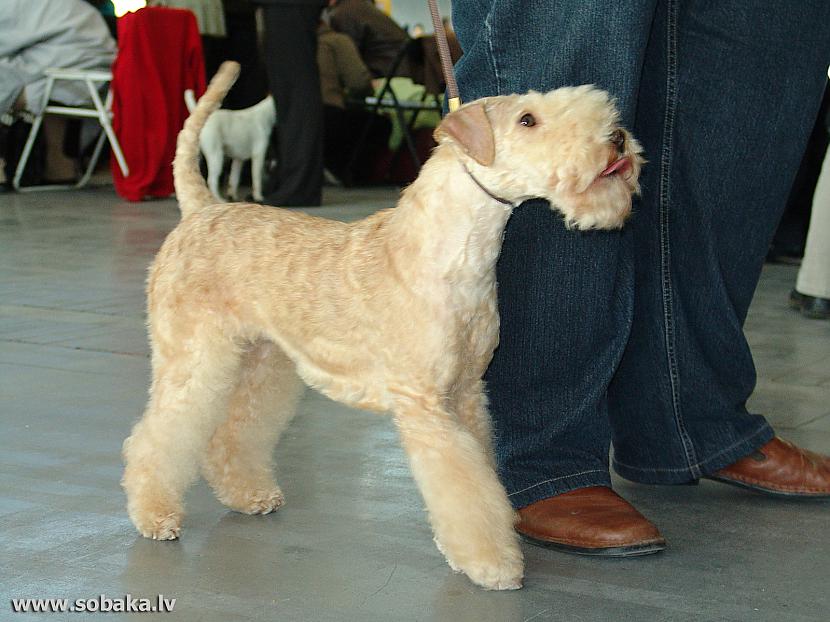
{"x":387,"y":99}
{"x":102,"y":111}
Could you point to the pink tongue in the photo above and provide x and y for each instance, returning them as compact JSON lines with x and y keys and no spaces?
{"x":615,"y":166}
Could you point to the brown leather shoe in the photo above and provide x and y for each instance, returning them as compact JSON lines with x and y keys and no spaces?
{"x":781,"y":469}
{"x":589,"y":521}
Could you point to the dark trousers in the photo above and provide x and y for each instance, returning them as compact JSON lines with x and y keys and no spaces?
{"x":241,"y":45}
{"x":343,"y":130}
{"x":291,"y":64}
{"x":636,"y":336}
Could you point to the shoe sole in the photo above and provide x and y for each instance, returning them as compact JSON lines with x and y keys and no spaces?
{"x":771,"y":492}
{"x":634,"y":550}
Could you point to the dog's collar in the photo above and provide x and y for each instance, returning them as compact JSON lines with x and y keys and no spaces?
{"x":485,"y":190}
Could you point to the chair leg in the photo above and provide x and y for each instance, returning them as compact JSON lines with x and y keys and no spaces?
{"x":407,"y":135}
{"x":96,"y":153}
{"x":104,"y":119}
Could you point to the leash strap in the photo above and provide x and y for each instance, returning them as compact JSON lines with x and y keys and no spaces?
{"x":485,"y":190}
{"x":453,"y":100}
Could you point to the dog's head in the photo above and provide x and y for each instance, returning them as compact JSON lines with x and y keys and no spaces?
{"x":565,"y":146}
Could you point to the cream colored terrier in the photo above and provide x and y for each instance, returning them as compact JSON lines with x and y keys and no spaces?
{"x":395,"y":313}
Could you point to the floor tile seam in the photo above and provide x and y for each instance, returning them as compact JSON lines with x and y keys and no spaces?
{"x":813,"y":420}
{"x":78,"y":348}
{"x":65,"y":309}
{"x":72,"y":371}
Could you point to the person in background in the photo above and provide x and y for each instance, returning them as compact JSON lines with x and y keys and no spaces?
{"x":344,"y":76}
{"x":39,"y":34}
{"x":242,"y":46}
{"x":290,"y":51}
{"x":210,"y":16}
{"x":377,"y":36}
{"x":107,"y":10}
{"x":811,"y":295}
{"x":787,"y":246}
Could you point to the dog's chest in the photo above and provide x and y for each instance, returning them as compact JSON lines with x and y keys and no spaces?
{"x":474,"y":313}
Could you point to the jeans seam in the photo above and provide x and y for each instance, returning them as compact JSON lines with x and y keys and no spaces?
{"x":488,"y":25}
{"x":554,"y":479}
{"x":665,"y":246}
{"x":697,"y":465}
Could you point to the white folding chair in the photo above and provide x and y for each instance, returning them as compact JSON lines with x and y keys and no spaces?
{"x":101,"y":110}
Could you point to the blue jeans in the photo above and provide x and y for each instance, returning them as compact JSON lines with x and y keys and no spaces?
{"x":636,"y":337}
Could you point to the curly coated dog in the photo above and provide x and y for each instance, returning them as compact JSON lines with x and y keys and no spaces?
{"x":394,"y":313}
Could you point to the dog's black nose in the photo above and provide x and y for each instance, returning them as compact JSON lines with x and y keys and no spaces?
{"x":618,"y":139}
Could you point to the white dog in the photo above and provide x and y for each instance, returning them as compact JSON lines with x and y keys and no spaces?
{"x":240,"y":135}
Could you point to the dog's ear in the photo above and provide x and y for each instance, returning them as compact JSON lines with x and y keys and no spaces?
{"x":470,"y":129}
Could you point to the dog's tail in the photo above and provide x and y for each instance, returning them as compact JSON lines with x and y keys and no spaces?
{"x":191,"y":189}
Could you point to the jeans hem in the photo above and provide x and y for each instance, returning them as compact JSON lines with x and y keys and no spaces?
{"x":558,"y":485}
{"x":714,"y":462}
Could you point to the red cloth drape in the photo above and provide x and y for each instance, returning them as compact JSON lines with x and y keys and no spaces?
{"x":159,"y":56}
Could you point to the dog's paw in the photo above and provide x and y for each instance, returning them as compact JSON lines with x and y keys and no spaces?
{"x":264,"y":502}
{"x":166,"y":527}
{"x":449,"y":560}
{"x":502,"y":575}
{"x":506,"y":576}
{"x":254,"y":501}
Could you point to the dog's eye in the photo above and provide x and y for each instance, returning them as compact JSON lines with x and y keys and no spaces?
{"x":527,"y":120}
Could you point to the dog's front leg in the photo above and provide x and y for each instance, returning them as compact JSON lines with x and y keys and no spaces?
{"x":471,"y":406}
{"x":468,"y":507}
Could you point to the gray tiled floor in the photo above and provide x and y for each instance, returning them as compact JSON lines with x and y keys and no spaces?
{"x":352,"y":542}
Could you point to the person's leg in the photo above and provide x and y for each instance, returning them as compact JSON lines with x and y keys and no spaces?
{"x":241,"y":45}
{"x":60,"y":168}
{"x":728,"y":97}
{"x":565,"y":297}
{"x":791,"y":233}
{"x":814,"y":274}
{"x":291,"y":62}
{"x":336,"y":146}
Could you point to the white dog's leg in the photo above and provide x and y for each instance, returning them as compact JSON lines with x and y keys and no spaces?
{"x":192,"y":379}
{"x":238,"y":463}
{"x":257,"y":161}
{"x":468,"y":507}
{"x":233,"y":179}
{"x":215,"y":161}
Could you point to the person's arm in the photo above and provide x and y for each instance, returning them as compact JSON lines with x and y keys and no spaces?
{"x":353,"y":73}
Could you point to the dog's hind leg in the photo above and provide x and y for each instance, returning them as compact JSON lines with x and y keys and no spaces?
{"x":468,"y":507}
{"x":233,"y":179}
{"x":193,"y":376}
{"x":257,"y":163}
{"x":239,"y":461}
{"x":215,"y":161}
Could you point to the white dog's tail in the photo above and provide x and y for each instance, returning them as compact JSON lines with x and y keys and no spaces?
{"x":190,"y":100}
{"x":191,"y":189}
